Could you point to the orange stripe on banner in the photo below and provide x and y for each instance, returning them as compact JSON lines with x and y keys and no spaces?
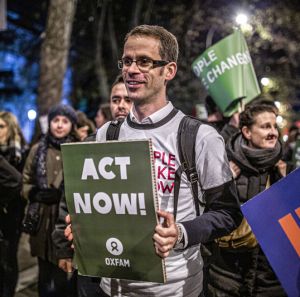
{"x":292,"y":230}
{"x":297,"y":211}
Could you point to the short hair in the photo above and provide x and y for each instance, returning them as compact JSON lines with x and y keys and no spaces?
{"x":247,"y":117}
{"x":168,"y":49}
{"x":118,"y":80}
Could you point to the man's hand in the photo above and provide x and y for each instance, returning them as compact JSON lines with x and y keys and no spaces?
{"x":65,"y":265}
{"x":165,"y":235}
{"x":68,"y":230}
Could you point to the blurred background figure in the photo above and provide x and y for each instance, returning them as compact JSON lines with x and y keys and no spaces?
{"x":226,"y":126}
{"x":291,"y":146}
{"x":43,"y":188}
{"x":214,"y":114}
{"x":85,"y":126}
{"x":103,"y":115}
{"x":13,"y":152}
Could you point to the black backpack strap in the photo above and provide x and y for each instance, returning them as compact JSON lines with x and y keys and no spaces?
{"x":186,"y":139}
{"x":113,"y":130}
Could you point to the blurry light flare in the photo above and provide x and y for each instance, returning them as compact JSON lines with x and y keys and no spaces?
{"x":265,"y":81}
{"x":31,"y":114}
{"x":285,"y":137}
{"x":278,"y":104}
{"x":241,"y":18}
{"x":246,"y":28}
{"x":279,"y":119}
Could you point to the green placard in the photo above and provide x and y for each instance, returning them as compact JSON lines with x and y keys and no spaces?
{"x":226,"y":71}
{"x":112,"y":199}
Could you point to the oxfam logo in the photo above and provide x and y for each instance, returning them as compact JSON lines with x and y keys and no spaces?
{"x":114,"y":246}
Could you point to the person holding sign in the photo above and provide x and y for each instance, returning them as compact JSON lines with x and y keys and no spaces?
{"x":148,"y":64}
{"x":241,"y":268}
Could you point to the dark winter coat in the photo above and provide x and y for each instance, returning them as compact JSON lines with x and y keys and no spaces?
{"x":41,"y":243}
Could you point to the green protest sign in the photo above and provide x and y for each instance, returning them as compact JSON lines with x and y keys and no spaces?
{"x":226,"y":71}
{"x":112,"y":199}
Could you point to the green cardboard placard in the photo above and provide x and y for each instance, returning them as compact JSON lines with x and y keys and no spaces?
{"x":226,"y":71}
{"x":112,"y":199}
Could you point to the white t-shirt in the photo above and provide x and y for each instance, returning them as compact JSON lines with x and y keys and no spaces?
{"x":183,"y":268}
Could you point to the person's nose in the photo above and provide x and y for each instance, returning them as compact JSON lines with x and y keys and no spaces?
{"x":122,"y":104}
{"x":133,"y":67}
{"x":274,"y":131}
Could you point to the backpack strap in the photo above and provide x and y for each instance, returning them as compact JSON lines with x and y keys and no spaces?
{"x":186,"y":139}
{"x":113,"y":130}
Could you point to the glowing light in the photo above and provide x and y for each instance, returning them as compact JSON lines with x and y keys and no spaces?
{"x":278,"y":104}
{"x":265,"y":81}
{"x":279,"y":119}
{"x":241,"y":19}
{"x":31,"y":114}
{"x":285,"y":137}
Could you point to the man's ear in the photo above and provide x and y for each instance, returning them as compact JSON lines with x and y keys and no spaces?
{"x":246,"y":132}
{"x":171,"y":70}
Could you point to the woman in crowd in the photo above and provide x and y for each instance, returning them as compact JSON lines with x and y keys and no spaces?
{"x":13,"y":150}
{"x":85,"y":126}
{"x":43,"y":187}
{"x":241,"y":268}
{"x":103,"y":115}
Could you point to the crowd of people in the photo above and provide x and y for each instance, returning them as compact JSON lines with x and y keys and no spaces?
{"x":235,"y":159}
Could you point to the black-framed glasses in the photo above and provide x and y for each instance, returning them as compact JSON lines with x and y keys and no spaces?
{"x":144,"y":64}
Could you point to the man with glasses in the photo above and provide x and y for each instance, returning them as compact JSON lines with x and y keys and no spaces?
{"x":148,"y":64}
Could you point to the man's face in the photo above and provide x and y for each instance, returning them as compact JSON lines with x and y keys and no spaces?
{"x":120,"y":103}
{"x":145,"y":86}
{"x":263,"y":133}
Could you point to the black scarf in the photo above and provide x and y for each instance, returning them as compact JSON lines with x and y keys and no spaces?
{"x":262,"y":159}
{"x":40,"y":158}
{"x":13,"y":152}
{"x":255,"y":164}
{"x":257,"y":159}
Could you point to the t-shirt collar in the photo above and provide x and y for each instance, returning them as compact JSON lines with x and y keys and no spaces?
{"x":154,"y":117}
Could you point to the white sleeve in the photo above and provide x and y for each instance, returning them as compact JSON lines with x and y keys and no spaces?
{"x":211,"y":158}
{"x":101,"y":133}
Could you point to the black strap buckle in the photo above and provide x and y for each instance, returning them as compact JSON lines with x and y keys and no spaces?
{"x":193,"y":176}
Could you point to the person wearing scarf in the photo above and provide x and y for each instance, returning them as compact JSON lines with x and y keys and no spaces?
{"x":255,"y":160}
{"x":43,"y":187}
{"x":13,"y":152}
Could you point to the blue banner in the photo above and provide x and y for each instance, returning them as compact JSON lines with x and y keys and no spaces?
{"x":274,"y":216}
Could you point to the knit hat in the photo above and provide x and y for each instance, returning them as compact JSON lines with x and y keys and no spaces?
{"x":63,"y":110}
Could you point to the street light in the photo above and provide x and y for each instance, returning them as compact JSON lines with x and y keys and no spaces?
{"x":265,"y":81}
{"x":241,"y":19}
{"x":31,"y":114}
